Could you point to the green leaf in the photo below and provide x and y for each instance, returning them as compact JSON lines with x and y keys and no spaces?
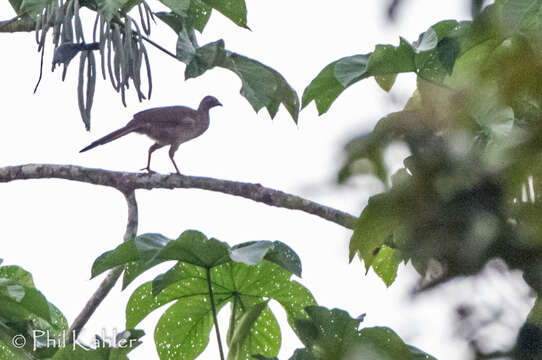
{"x":205,"y":58}
{"x":253,"y":252}
{"x":235,"y":10}
{"x":386,"y":263}
{"x":260,"y":357}
{"x":255,"y":326}
{"x":262,"y":86}
{"x":386,"y":81}
{"x":17,"y":274}
{"x":186,"y":324}
{"x":173,"y":20}
{"x":16,"y":5}
{"x":194,"y":248}
{"x":325,"y":87}
{"x":139,"y":254}
{"x":374,"y":227}
{"x":183,"y":331}
{"x":109,"y":9}
{"x":194,"y":13}
{"x":333,"y":334}
{"x":32,"y":8}
{"x":336,"y":77}
{"x":388,"y":59}
{"x":24,"y":311}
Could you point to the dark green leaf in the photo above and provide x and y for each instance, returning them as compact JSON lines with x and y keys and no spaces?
{"x":253,"y":252}
{"x":333,"y":334}
{"x":325,"y":87}
{"x":109,"y":9}
{"x":386,"y":81}
{"x":16,"y":5}
{"x":194,"y":248}
{"x":193,"y":13}
{"x":262,"y":86}
{"x":235,"y":10}
{"x":448,"y":52}
{"x":33,"y":8}
{"x":205,"y":58}
{"x":374,"y":227}
{"x":337,"y":76}
{"x":173,"y":20}
{"x":260,"y":357}
{"x":139,"y":254}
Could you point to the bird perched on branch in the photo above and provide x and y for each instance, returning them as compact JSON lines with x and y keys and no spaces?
{"x":170,"y":125}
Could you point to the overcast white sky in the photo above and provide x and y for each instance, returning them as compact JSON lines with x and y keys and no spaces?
{"x":56,"y":229}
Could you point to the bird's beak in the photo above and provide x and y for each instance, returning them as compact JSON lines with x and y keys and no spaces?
{"x":219,"y":103}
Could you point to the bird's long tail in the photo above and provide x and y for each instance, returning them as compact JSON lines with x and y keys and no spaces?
{"x":110,"y":137}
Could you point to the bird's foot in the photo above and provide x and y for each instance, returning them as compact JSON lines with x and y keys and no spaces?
{"x":149,"y":171}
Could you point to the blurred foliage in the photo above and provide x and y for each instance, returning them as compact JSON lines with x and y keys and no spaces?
{"x":333,"y":334}
{"x":468,"y":192}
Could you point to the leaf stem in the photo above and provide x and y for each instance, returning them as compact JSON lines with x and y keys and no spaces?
{"x":213,"y":308}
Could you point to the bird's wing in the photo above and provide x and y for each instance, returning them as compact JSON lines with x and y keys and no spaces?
{"x":168,"y":115}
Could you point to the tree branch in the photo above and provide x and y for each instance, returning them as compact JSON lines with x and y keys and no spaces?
{"x":112,"y":277}
{"x":125,"y":181}
{"x":17,"y":24}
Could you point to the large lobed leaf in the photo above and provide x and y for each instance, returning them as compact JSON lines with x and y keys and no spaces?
{"x":186,"y":324}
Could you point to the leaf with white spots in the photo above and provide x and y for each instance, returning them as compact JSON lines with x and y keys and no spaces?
{"x":183,"y":331}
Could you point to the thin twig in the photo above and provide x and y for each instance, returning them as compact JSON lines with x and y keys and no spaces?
{"x":113,"y":276}
{"x":126,"y":180}
{"x":213,"y":308}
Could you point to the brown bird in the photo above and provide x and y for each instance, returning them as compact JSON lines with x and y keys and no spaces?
{"x":170,"y":125}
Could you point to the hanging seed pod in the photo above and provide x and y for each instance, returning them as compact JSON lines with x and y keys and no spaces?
{"x":118,"y":59}
{"x":95,"y":27}
{"x":126,"y":66}
{"x":57,"y":26}
{"x":44,"y":29}
{"x":142,"y":18}
{"x":67,"y":28}
{"x":104,"y":31}
{"x":64,"y":71}
{"x":91,"y":83}
{"x":37,"y":29}
{"x":79,"y":36}
{"x":109,"y":66}
{"x":150,"y":16}
{"x":137,"y":56}
{"x":80,"y":95}
{"x":148,"y":66}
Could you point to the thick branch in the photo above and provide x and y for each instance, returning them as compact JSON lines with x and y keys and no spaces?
{"x":111,"y":278}
{"x":125,"y":181}
{"x":23,"y":24}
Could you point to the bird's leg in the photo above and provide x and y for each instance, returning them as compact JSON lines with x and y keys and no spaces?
{"x":151,"y":149}
{"x":172,"y":150}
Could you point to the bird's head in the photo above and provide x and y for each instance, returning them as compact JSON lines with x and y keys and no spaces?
{"x":209,"y":102}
